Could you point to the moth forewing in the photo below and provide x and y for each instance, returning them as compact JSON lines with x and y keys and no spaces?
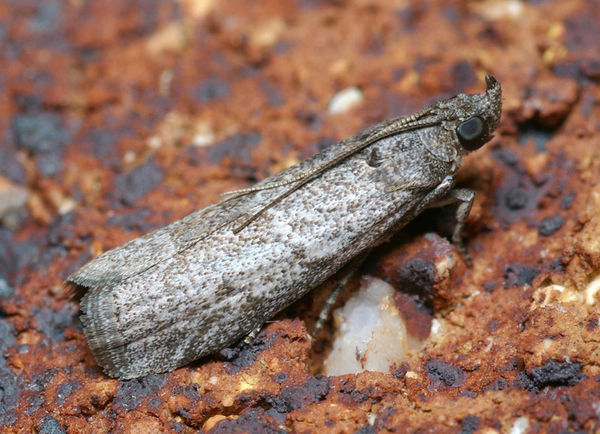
{"x":199,"y":284}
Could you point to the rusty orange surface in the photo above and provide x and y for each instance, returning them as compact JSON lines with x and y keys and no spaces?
{"x":118,"y":117}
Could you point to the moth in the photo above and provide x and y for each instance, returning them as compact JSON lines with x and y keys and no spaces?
{"x":193,"y":287}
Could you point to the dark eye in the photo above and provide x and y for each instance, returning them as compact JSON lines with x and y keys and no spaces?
{"x":472,"y":133}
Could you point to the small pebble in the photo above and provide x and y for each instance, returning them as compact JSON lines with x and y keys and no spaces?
{"x":203,"y":139}
{"x":345,"y":100}
{"x":371,"y":334}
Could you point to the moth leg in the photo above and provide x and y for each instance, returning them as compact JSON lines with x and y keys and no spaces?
{"x":253,"y":333}
{"x":411,"y":184}
{"x":352,"y":268}
{"x":465,"y":198}
{"x":326,"y":310}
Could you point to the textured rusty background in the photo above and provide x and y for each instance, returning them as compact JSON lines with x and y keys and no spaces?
{"x":119,"y":116}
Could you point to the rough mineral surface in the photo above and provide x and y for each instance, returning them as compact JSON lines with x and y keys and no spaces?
{"x":119,"y":116}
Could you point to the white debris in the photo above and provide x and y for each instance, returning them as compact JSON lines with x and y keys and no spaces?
{"x":436,"y":327}
{"x":154,"y":142}
{"x":591,"y":290}
{"x":129,"y":157}
{"x":520,"y":425}
{"x":494,"y":10}
{"x":371,"y":418}
{"x":489,"y":345}
{"x":204,"y":138}
{"x":67,"y":204}
{"x":345,"y":100}
{"x":554,"y":296}
{"x":371,"y":334}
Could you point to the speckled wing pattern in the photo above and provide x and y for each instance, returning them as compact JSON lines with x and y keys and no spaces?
{"x":197,"y":285}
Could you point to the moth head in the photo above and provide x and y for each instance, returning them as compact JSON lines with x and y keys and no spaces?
{"x":463,"y":123}
{"x":471,"y":119}
{"x":479,"y":116}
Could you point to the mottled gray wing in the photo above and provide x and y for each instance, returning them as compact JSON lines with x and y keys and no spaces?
{"x":138,"y":255}
{"x":141,"y":253}
{"x":233,"y":213}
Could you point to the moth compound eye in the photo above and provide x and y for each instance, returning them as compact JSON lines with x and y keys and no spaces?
{"x":472,"y":133}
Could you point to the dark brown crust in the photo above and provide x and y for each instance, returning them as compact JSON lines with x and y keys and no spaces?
{"x":86,"y":75}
